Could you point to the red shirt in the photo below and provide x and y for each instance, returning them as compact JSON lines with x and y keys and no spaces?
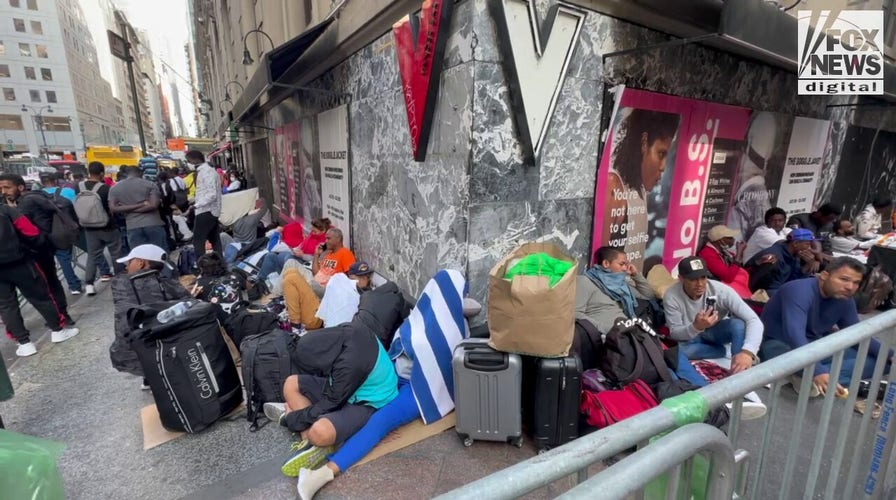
{"x":731,"y":274}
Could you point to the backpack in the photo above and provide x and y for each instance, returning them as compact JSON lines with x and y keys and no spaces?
{"x":181,"y":194}
{"x":244,"y":321}
{"x":186,"y":261}
{"x":631,"y":351}
{"x":266,"y":364}
{"x":65,"y":230}
{"x":89,"y":207}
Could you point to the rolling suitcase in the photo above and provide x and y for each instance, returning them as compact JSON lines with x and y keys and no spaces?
{"x":187,"y":364}
{"x":487,"y":391}
{"x":555,"y":387}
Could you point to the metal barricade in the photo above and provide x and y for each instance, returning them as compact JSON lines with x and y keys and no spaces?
{"x":850,"y":458}
{"x":633,"y":473}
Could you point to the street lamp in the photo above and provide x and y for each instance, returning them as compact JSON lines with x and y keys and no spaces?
{"x":220,"y":109}
{"x":40,"y":122}
{"x":247,"y":57}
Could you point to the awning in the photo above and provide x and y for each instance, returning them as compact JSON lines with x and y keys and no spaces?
{"x":274,"y":65}
{"x":220,"y":150}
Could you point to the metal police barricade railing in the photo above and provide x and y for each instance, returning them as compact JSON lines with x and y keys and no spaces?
{"x":851,"y":457}
{"x":634,"y":472}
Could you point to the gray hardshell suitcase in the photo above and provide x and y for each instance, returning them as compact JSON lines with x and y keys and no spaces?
{"x":487,"y":390}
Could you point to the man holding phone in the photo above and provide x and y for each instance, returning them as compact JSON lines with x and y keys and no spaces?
{"x":331,"y":257}
{"x":704,"y":315}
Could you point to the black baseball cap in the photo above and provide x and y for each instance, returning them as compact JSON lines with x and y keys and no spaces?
{"x":359,"y":268}
{"x":692,"y":268}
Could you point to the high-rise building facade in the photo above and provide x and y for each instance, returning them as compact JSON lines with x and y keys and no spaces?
{"x":99,"y":122}
{"x":38,"y":110}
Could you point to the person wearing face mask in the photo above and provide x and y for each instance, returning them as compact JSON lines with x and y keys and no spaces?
{"x":723,"y":260}
{"x":235,"y":183}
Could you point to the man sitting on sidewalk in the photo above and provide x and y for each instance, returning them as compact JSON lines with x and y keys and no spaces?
{"x":704,"y":315}
{"x":330,"y":258}
{"x":812,"y":308}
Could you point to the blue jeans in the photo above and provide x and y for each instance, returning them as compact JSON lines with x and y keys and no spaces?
{"x":686,"y":370}
{"x":772,"y":348}
{"x":151,"y":235}
{"x":230,"y":252}
{"x":64,"y":258}
{"x":400,"y":411}
{"x":711,"y":342}
{"x":273,"y":263}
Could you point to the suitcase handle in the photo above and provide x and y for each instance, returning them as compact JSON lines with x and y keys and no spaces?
{"x":486,"y":361}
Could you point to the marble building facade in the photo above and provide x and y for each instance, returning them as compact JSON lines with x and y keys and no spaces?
{"x":476,"y":197}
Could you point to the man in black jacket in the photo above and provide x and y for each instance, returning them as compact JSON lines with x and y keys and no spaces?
{"x":19,"y":271}
{"x":37,"y":207}
{"x":344,"y":376}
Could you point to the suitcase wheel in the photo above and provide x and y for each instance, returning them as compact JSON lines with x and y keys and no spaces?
{"x":517,"y":441}
{"x":467,"y":440}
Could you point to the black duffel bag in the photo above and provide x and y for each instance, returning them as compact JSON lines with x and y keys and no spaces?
{"x":631,"y":351}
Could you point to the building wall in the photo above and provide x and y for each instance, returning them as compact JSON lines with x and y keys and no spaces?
{"x":50,"y":37}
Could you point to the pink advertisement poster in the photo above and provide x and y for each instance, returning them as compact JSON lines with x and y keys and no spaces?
{"x":287,"y":147}
{"x":654,"y":173}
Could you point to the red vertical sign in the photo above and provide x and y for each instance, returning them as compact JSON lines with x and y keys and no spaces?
{"x":420,"y":44}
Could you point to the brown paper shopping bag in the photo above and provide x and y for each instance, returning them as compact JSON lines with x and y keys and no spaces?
{"x":526,"y":315}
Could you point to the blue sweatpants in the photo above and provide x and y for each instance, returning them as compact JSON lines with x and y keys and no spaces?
{"x":402,"y":410}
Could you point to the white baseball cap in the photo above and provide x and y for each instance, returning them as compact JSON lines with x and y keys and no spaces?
{"x":145,"y":252}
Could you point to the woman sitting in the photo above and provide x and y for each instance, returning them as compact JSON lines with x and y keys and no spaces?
{"x":722,"y":263}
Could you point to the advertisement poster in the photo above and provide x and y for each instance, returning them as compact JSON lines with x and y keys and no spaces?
{"x":803,"y":166}
{"x":867,"y":170}
{"x":335,"y":191}
{"x":652,"y":180}
{"x":308,"y":176}
{"x":758,"y":179}
{"x":726,"y":157}
{"x":287,"y":148}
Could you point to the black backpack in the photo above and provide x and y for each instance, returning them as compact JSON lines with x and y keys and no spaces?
{"x":632,"y":350}
{"x":244,"y":321}
{"x":66,"y":231}
{"x":266,"y":364}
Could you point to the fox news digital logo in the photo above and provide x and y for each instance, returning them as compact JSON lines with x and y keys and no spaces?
{"x":841,"y":52}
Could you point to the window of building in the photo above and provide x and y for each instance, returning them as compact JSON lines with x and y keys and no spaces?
{"x":32,"y":4}
{"x":29,"y":73}
{"x":37,"y":28}
{"x":51,"y":96}
{"x":15,"y":3}
{"x":4,"y":70}
{"x":57,"y":124}
{"x":19,"y":25}
{"x":46,"y":74}
{"x":24,"y":50}
{"x":11,"y":122}
{"x":35,"y":95}
{"x":41,"y":51}
{"x":9,"y":93}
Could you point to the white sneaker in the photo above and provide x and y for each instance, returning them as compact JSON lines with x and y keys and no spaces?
{"x":76,"y":292}
{"x":89,"y":290}
{"x":274,"y":411}
{"x":26,"y":349}
{"x":64,"y":334}
{"x":750,"y":410}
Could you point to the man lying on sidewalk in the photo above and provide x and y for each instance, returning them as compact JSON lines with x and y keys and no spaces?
{"x":809,"y":309}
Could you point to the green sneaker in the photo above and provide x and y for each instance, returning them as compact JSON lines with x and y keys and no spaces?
{"x":307,"y":456}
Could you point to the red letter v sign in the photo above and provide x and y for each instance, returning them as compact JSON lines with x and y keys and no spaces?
{"x":420,"y":44}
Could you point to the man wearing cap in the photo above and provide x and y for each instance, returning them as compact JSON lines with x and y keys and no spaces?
{"x":705,"y":315}
{"x":361,"y":273}
{"x":793,"y":259}
{"x":723,"y":261}
{"x":141,"y":284}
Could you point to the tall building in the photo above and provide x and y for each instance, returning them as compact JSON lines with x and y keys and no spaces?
{"x":38,"y":111}
{"x":99,"y":123}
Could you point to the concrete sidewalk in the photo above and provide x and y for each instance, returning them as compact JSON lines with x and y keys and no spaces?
{"x":70,"y":393}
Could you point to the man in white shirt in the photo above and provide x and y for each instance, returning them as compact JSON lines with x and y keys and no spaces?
{"x":843,"y":241}
{"x":869,"y":221}
{"x":207,"y":204}
{"x":767,"y":235}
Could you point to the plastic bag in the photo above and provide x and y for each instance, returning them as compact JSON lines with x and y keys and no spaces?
{"x":29,"y":467}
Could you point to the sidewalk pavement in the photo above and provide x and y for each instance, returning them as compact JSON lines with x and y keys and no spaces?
{"x":70,"y":393}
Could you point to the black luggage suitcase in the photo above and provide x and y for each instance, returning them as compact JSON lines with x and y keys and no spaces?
{"x":187,"y":364}
{"x":554,"y":388}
